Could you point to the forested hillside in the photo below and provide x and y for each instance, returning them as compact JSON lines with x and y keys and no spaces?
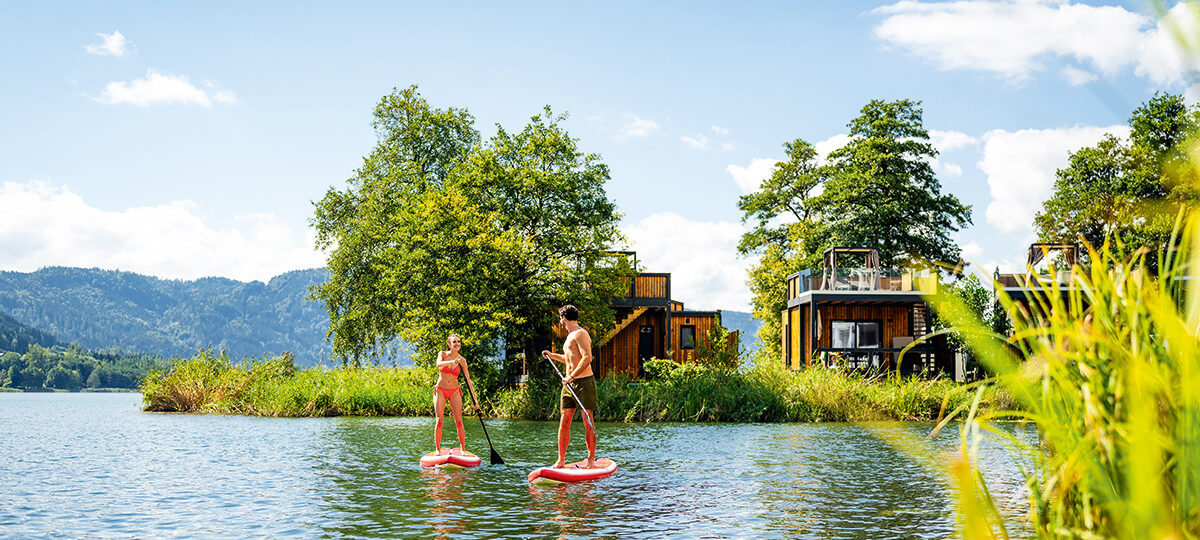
{"x":103,"y":308}
{"x":98,"y":309}
{"x":17,"y":337}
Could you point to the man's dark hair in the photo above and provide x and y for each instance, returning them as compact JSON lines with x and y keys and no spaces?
{"x":569,"y":312}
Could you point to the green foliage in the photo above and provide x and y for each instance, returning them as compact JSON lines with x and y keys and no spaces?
{"x":697,"y":392}
{"x":102,"y":308}
{"x":71,"y":368}
{"x":17,"y":337}
{"x":878,"y":190}
{"x":1108,"y":371}
{"x":272,"y":386}
{"x":882,"y":192}
{"x":715,"y":349}
{"x":439,"y":233}
{"x":970,"y":292}
{"x":1127,"y":192}
{"x":211,"y":383}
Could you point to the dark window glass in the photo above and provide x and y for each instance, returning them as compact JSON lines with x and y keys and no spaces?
{"x":868,"y":334}
{"x":687,"y":337}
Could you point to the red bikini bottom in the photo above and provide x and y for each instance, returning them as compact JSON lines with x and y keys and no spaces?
{"x":448,"y":392}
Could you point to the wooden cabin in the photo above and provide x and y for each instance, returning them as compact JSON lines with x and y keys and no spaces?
{"x":649,"y":324}
{"x":1048,"y":267}
{"x":860,"y":316}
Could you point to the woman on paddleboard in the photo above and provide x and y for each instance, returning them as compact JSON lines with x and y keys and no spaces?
{"x":449,"y":363}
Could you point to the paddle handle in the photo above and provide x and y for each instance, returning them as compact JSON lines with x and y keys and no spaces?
{"x":586,"y":417}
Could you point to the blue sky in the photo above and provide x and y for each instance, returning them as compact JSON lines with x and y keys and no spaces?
{"x":189,"y":139}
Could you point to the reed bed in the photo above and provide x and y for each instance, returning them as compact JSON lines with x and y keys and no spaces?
{"x":211,"y":383}
{"x":1107,"y":372}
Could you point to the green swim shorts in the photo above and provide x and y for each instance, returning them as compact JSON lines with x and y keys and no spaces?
{"x":585,"y":388}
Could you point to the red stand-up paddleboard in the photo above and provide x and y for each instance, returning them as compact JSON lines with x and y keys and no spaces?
{"x":575,"y":472}
{"x":447,"y":457}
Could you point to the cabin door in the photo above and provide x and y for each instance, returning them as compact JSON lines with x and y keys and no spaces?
{"x":645,"y":348}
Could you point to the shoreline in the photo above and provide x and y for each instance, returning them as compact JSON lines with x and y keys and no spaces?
{"x":208,"y":384}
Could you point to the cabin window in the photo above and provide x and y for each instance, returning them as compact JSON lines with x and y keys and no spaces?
{"x":687,"y":337}
{"x":855,"y":335}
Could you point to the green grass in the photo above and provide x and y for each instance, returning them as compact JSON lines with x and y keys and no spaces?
{"x":208,"y":383}
{"x":704,"y":394}
{"x":1108,"y":372}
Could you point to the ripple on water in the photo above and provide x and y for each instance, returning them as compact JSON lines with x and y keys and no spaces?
{"x":94,"y":465}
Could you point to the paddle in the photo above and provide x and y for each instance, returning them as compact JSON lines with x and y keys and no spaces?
{"x":586,"y":417}
{"x":496,"y":459}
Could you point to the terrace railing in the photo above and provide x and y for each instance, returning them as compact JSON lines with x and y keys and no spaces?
{"x":863,"y":279}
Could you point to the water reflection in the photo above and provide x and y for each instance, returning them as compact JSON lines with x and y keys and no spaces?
{"x":444,"y":488}
{"x":572,"y":509}
{"x":88,"y":466}
{"x":372,"y":483}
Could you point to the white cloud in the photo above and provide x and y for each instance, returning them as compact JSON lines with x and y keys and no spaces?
{"x":947,"y":169}
{"x":725,"y":147}
{"x":1020,"y":169}
{"x":156,"y":88}
{"x":1014,"y":38}
{"x":946,"y":141}
{"x":699,"y":142}
{"x":719,"y":130}
{"x":826,"y":146}
{"x":47,"y":226}
{"x":1169,"y":53}
{"x":113,"y":44}
{"x":971,"y":251}
{"x":706,"y":271}
{"x":1078,"y":77}
{"x":750,"y":177}
{"x":638,"y":128}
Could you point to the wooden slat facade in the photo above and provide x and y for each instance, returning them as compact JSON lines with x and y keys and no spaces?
{"x":620,"y":354}
{"x":892,"y":319}
{"x":651,"y":286}
{"x":795,"y":337}
{"x":893,"y":322}
{"x":704,"y":324}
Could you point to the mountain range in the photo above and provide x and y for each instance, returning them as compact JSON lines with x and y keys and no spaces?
{"x":104,"y":308}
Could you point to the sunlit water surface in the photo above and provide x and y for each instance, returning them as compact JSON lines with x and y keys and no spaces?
{"x":94,"y":465}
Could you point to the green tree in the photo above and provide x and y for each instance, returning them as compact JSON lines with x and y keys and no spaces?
{"x":63,"y":379}
{"x":439,"y":233}
{"x":878,"y":190}
{"x":882,"y":192}
{"x":29,"y":377}
{"x":1127,"y":191}
{"x":93,"y":380}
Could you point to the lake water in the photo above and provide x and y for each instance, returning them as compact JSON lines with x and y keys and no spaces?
{"x":94,"y":465}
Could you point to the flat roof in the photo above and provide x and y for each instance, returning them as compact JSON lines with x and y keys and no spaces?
{"x":857,"y":296}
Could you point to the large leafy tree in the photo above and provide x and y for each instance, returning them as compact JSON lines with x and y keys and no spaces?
{"x":878,"y":190}
{"x":1127,"y":191}
{"x":440,"y":232}
{"x":882,"y":192}
{"x":784,"y":234}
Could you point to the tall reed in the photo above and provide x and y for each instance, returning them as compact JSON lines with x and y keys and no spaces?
{"x":211,"y":383}
{"x":1108,"y":370}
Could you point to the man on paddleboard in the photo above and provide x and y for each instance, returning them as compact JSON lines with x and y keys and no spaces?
{"x":577,"y":354}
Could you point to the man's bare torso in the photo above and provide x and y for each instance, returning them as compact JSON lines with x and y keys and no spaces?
{"x":576,"y":343}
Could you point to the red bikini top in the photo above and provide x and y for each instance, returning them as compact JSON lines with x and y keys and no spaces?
{"x":451,"y":370}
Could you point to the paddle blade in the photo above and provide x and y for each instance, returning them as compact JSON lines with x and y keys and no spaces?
{"x":496,"y":460}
